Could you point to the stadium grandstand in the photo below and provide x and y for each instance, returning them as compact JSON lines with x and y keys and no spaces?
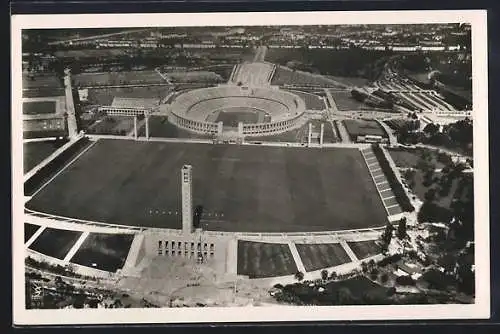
{"x":201,"y":110}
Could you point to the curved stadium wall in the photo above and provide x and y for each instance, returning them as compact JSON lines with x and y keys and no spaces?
{"x":280,"y":121}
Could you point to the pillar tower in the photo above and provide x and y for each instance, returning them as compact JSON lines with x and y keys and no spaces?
{"x":187,"y":199}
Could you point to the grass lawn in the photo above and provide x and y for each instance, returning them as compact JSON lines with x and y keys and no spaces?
{"x":313,"y":102}
{"x":251,"y":188}
{"x":39,"y":107}
{"x":319,"y":256}
{"x":357,"y":128}
{"x":112,"y":125}
{"x":36,"y":152}
{"x":107,"y":251}
{"x":232,"y":116}
{"x":420,"y":189}
{"x":364,"y":249}
{"x":408,"y":158}
{"x":345,"y":101}
{"x":104,"y":96}
{"x":258,"y":259}
{"x":29,"y":230}
{"x":55,"y":242}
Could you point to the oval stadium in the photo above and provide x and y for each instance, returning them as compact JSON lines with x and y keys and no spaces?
{"x":261,"y":111}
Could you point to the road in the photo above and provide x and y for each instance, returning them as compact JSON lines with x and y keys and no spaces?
{"x":260,"y":55}
{"x":99,"y":36}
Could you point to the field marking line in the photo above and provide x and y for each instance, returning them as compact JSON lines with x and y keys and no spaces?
{"x":63,"y":169}
{"x":35,"y":236}
{"x":76,"y":246}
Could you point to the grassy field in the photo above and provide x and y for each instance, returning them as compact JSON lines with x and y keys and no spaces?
{"x":112,"y":125}
{"x":251,"y":188}
{"x":39,"y":107}
{"x":117,"y":78}
{"x":258,"y":259}
{"x":231,"y":117}
{"x":357,"y":128}
{"x":49,"y":81}
{"x":54,"y":166}
{"x":285,"y":76}
{"x":55,"y":243}
{"x":36,"y":152}
{"x":104,"y":251}
{"x":29,"y":230}
{"x":159,"y":126}
{"x":408,"y":158}
{"x":319,"y":256}
{"x":104,"y":96}
{"x":313,"y":102}
{"x":420,"y":189}
{"x":345,"y":101}
{"x":364,"y":249}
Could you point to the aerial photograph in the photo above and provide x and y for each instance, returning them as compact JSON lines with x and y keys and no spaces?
{"x":236,"y":166}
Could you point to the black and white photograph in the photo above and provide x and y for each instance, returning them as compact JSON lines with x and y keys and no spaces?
{"x":270,"y":167}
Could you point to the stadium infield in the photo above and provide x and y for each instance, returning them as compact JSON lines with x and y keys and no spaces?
{"x":240,"y":188}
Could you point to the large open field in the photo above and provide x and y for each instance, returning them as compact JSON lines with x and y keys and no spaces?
{"x":364,"y":249}
{"x":318,"y":256}
{"x":55,"y":242}
{"x":241,"y":188}
{"x":259,"y":259}
{"x":104,"y":251}
{"x":359,"y":127}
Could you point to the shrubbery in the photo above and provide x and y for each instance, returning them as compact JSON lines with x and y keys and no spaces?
{"x":405,"y":280}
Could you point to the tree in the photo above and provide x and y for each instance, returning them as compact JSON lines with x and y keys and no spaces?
{"x":405,"y":280}
{"x":402,"y":228}
{"x":384,"y":278}
{"x":430,"y":195}
{"x":299,"y":276}
{"x":333,"y":275}
{"x":324,"y":274}
{"x":387,"y":236}
{"x":431,"y":129}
